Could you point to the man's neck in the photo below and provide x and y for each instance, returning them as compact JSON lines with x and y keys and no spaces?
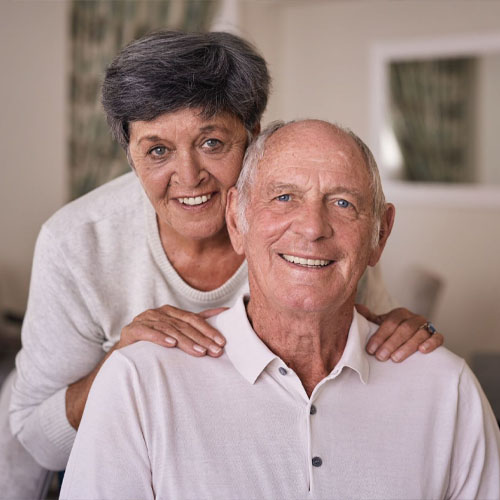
{"x":309,"y":343}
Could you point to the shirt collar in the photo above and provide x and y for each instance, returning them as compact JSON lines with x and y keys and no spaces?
{"x":250,"y":356}
{"x":354,"y":355}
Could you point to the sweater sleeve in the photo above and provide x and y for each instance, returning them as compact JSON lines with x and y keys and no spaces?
{"x":61,"y":344}
{"x":475,"y":464}
{"x":110,"y":457}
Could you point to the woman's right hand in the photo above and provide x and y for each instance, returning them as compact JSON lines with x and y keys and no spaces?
{"x":169,"y":326}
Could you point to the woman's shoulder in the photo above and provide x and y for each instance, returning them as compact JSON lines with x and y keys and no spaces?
{"x":121,"y":197}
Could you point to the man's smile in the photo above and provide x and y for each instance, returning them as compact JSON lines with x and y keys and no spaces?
{"x":303,"y":261}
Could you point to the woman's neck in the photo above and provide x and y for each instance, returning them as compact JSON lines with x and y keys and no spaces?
{"x":204,"y":264}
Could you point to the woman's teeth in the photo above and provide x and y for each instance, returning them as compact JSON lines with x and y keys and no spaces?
{"x":306,"y":262}
{"x":195,"y":201}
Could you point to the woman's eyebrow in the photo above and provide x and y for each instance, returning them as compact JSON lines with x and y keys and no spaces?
{"x":150,"y":138}
{"x":211,"y":128}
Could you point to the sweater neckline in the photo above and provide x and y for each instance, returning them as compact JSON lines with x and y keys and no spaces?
{"x":173,"y":277}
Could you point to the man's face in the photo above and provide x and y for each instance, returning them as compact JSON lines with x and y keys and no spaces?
{"x":310,"y":219}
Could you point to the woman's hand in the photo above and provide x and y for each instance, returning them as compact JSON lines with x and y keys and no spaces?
{"x":169,"y":326}
{"x":400,"y":334}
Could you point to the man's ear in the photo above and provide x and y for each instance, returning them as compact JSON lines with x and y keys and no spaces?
{"x":233,"y":222}
{"x":386,"y":223}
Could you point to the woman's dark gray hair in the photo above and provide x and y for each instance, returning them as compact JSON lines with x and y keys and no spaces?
{"x":170,"y":70}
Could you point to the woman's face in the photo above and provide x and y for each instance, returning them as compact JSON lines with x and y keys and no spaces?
{"x":186,"y":165}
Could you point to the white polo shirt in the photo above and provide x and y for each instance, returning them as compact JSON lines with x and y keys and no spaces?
{"x":160,"y":424}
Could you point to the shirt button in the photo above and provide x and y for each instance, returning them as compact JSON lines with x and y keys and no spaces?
{"x":282,"y":370}
{"x":317,"y":462}
{"x":313,"y":410}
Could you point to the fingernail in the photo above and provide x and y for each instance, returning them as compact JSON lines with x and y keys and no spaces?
{"x":219,"y":340}
{"x":397,"y":356}
{"x":214,"y":349}
{"x":372,"y":348}
{"x":383,"y":355}
{"x":199,"y":349}
{"x":170,"y":340}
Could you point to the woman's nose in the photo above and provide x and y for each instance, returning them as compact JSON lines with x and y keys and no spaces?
{"x":188,"y":170}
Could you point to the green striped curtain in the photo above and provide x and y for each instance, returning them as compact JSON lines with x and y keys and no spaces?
{"x":432,"y":106}
{"x":99,"y":29}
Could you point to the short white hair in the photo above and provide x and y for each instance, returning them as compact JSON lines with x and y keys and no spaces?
{"x":255,"y":153}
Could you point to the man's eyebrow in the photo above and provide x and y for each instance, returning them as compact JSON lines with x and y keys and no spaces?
{"x":295,"y":187}
{"x":282,"y":187}
{"x":348,"y":190}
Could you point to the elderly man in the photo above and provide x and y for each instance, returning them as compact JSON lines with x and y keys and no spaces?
{"x":295,"y":408}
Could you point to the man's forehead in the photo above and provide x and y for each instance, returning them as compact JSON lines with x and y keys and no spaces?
{"x":313,"y":145}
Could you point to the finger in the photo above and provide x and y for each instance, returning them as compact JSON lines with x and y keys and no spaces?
{"x":432,"y":343}
{"x":189,"y":339}
{"x":405,"y":331}
{"x":410,"y":347}
{"x":195,"y":321}
{"x":390,"y":323}
{"x":364,"y":311}
{"x":208,"y":313}
{"x":140,"y":331}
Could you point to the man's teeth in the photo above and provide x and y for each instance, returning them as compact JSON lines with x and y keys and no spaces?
{"x":306,"y":262}
{"x":195,"y":201}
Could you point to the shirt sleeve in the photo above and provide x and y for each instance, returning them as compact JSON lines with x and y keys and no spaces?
{"x":373,"y":293}
{"x":110,"y":458}
{"x":475,"y":465}
{"x":61,"y":344}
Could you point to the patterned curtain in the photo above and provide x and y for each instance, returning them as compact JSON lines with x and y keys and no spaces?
{"x":99,"y":29}
{"x":431,"y":114}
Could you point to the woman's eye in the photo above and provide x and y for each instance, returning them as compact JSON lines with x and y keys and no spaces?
{"x":343,"y":203}
{"x":283,"y":197}
{"x":212,"y":143}
{"x":158,"y":151}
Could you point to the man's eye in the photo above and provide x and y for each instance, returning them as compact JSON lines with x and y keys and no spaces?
{"x":343,"y":203}
{"x":283,"y":197}
{"x":158,"y":151}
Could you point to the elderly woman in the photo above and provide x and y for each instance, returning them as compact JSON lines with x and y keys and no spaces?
{"x":152,"y":244}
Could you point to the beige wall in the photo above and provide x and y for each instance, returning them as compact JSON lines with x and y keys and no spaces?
{"x":32,"y":134}
{"x":320,"y":60}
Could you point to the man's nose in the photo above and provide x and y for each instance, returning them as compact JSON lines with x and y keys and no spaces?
{"x":188,"y":170}
{"x":312,"y":221}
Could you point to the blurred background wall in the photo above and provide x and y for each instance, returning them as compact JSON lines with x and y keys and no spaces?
{"x":319,"y":55}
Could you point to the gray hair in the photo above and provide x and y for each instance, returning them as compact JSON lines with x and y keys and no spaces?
{"x":170,"y":70}
{"x":255,"y":153}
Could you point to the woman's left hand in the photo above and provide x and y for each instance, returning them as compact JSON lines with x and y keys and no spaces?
{"x":400,"y":334}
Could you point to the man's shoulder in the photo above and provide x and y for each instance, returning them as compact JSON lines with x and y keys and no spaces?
{"x":438,"y":367}
{"x":116,"y":198}
{"x":146,"y":357}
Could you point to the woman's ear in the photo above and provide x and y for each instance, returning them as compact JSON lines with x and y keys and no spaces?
{"x":386,"y":223}
{"x":256,"y":130}
{"x":233,"y":221}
